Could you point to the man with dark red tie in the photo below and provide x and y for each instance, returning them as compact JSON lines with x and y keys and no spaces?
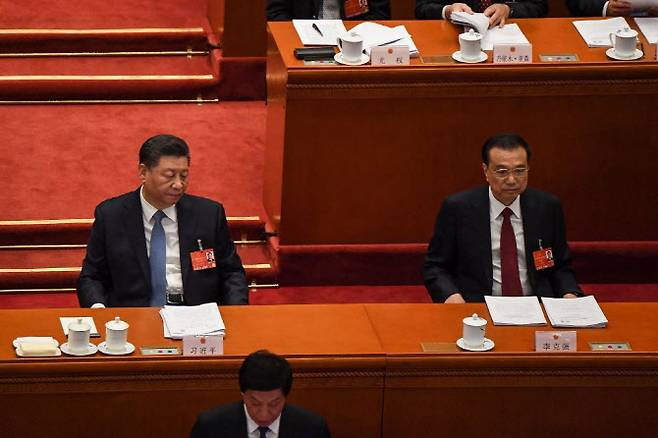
{"x":504,"y":239}
{"x":498,"y":11}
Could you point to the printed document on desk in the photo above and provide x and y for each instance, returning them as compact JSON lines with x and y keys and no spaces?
{"x":203,"y":319}
{"x":649,"y":27}
{"x":515,"y":310}
{"x":574,"y":312}
{"x":508,"y":34}
{"x":375,"y":34}
{"x":311,"y":37}
{"x":596,"y":33}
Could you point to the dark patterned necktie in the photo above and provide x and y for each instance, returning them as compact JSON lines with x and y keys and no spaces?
{"x":509,"y":264}
{"x":263,"y":431}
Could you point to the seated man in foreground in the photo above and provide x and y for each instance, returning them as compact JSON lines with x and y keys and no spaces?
{"x":265,"y":382}
{"x":497,"y":11}
{"x":158,"y":245}
{"x":504,"y":239}
{"x":605,"y":8}
{"x":281,"y":10}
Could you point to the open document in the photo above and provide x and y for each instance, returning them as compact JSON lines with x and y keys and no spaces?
{"x":515,"y":310}
{"x":319,"y":32}
{"x":596,"y":33}
{"x":204,"y":319}
{"x":375,"y":34}
{"x":508,"y":34}
{"x":574,"y":312}
{"x":649,"y":27}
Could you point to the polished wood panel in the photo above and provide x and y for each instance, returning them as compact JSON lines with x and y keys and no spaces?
{"x":240,"y":26}
{"x":353,"y":153}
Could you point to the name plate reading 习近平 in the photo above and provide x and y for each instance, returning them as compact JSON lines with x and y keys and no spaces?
{"x":390,"y":55}
{"x":211,"y":345}
{"x":512,"y":53}
{"x":556,"y":342}
{"x":559,"y":57}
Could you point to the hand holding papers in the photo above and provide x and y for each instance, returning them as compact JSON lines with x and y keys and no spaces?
{"x":508,"y":34}
{"x":515,"y":310}
{"x":180,"y":321}
{"x":574,"y":312}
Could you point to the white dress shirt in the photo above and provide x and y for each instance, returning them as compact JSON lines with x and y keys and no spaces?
{"x":496,"y":223}
{"x":329,"y":10}
{"x":252,"y":426}
{"x":169,"y":223}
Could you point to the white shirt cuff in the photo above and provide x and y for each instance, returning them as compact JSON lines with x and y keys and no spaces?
{"x":98,"y":306}
{"x":605,"y":9}
{"x":443,"y":12}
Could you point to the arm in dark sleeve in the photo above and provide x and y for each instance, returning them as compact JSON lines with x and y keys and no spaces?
{"x":94,"y":281}
{"x":586,"y":8}
{"x":430,"y":9}
{"x":233,"y":280}
{"x":563,"y":278}
{"x":378,"y":10}
{"x":528,"y":8}
{"x":441,"y":256}
{"x":279,"y":10}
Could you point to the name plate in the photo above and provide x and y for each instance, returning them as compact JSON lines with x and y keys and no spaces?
{"x":556,"y":342}
{"x":512,"y":53}
{"x":203,"y":345}
{"x":389,"y":55}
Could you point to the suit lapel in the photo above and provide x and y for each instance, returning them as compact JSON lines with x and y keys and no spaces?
{"x":482,"y":230}
{"x":134,"y":226}
{"x":285,"y":429}
{"x":186,"y":240}
{"x":530,"y":232}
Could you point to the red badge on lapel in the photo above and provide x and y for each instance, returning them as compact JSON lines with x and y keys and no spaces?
{"x":203,"y":259}
{"x":543,"y":258}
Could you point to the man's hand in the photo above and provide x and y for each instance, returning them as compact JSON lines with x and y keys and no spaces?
{"x":619,"y":8}
{"x":457,"y":7}
{"x":570,"y":295}
{"x":455,"y":299}
{"x":497,"y":13}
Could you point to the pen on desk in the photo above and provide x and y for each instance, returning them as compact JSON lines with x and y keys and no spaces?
{"x":315,"y":26}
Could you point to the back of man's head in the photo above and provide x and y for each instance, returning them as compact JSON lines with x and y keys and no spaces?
{"x":162,"y":145}
{"x":265,"y":371}
{"x":505,"y":141}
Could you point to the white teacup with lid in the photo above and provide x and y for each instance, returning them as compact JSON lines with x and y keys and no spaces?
{"x":78,"y":340}
{"x":624,"y":42}
{"x":116,"y":335}
{"x":470,"y":45}
{"x":351,"y":46}
{"x":474,"y":328}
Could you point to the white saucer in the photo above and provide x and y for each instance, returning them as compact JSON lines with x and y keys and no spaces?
{"x":488,"y":345}
{"x":457,"y":56}
{"x":338,"y":57}
{"x":102,"y":347}
{"x":92,"y":349}
{"x":611,"y":54}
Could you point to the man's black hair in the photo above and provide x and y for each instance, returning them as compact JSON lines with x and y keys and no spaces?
{"x":265,"y":371}
{"x":162,"y":145}
{"x":506,"y":141}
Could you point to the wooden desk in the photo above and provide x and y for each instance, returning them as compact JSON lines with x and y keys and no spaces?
{"x":513,"y":391}
{"x":353,"y":153}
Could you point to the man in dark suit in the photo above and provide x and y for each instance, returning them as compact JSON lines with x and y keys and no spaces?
{"x":158,"y":245}
{"x":504,"y":239}
{"x":265,"y":382}
{"x":281,"y":10}
{"x":498,"y":11}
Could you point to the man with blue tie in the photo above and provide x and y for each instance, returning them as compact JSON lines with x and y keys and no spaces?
{"x":158,"y":245}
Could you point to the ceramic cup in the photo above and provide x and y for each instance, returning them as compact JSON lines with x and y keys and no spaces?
{"x":470,"y":45}
{"x":79,"y":336}
{"x":351,"y":46}
{"x":474,"y":328}
{"x":624,"y":42}
{"x":116,"y":334}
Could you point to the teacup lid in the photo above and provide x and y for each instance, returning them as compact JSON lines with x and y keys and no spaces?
{"x":471,"y":35}
{"x":117,"y":324}
{"x":627,"y":32}
{"x":79,"y":326}
{"x":351,"y":37}
{"x":475,"y":320}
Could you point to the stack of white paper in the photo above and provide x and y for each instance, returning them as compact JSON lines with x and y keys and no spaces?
{"x":375,"y":34}
{"x":596,"y":33}
{"x":649,"y":27}
{"x":478,"y":21}
{"x":574,"y":312}
{"x":515,"y":310}
{"x":310,"y":36}
{"x":508,"y":34}
{"x":204,"y":319}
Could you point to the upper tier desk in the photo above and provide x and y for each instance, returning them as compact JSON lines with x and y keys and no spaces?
{"x":361,"y":366}
{"x":358,"y":155}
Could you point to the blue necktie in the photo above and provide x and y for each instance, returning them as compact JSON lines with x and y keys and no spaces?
{"x":263,"y":431}
{"x":157,"y":261}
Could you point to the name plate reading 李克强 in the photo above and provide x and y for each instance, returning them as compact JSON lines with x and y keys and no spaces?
{"x":556,"y":342}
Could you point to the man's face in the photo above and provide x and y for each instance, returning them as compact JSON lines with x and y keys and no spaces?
{"x":165,"y":183}
{"x":264,"y":406}
{"x":507,"y":173}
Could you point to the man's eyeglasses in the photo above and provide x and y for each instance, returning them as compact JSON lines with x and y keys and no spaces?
{"x":516,"y":173}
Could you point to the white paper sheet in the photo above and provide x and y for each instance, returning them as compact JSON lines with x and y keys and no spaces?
{"x":515,"y":310}
{"x":574,"y":312}
{"x":508,"y":34}
{"x":66,"y":320}
{"x":477,"y":21}
{"x":203,"y":319}
{"x":310,"y":37}
{"x":375,"y":34}
{"x":596,"y":33}
{"x":649,"y":27}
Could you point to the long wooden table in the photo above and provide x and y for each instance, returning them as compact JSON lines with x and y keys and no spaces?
{"x":362,"y":155}
{"x":361,"y":366}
